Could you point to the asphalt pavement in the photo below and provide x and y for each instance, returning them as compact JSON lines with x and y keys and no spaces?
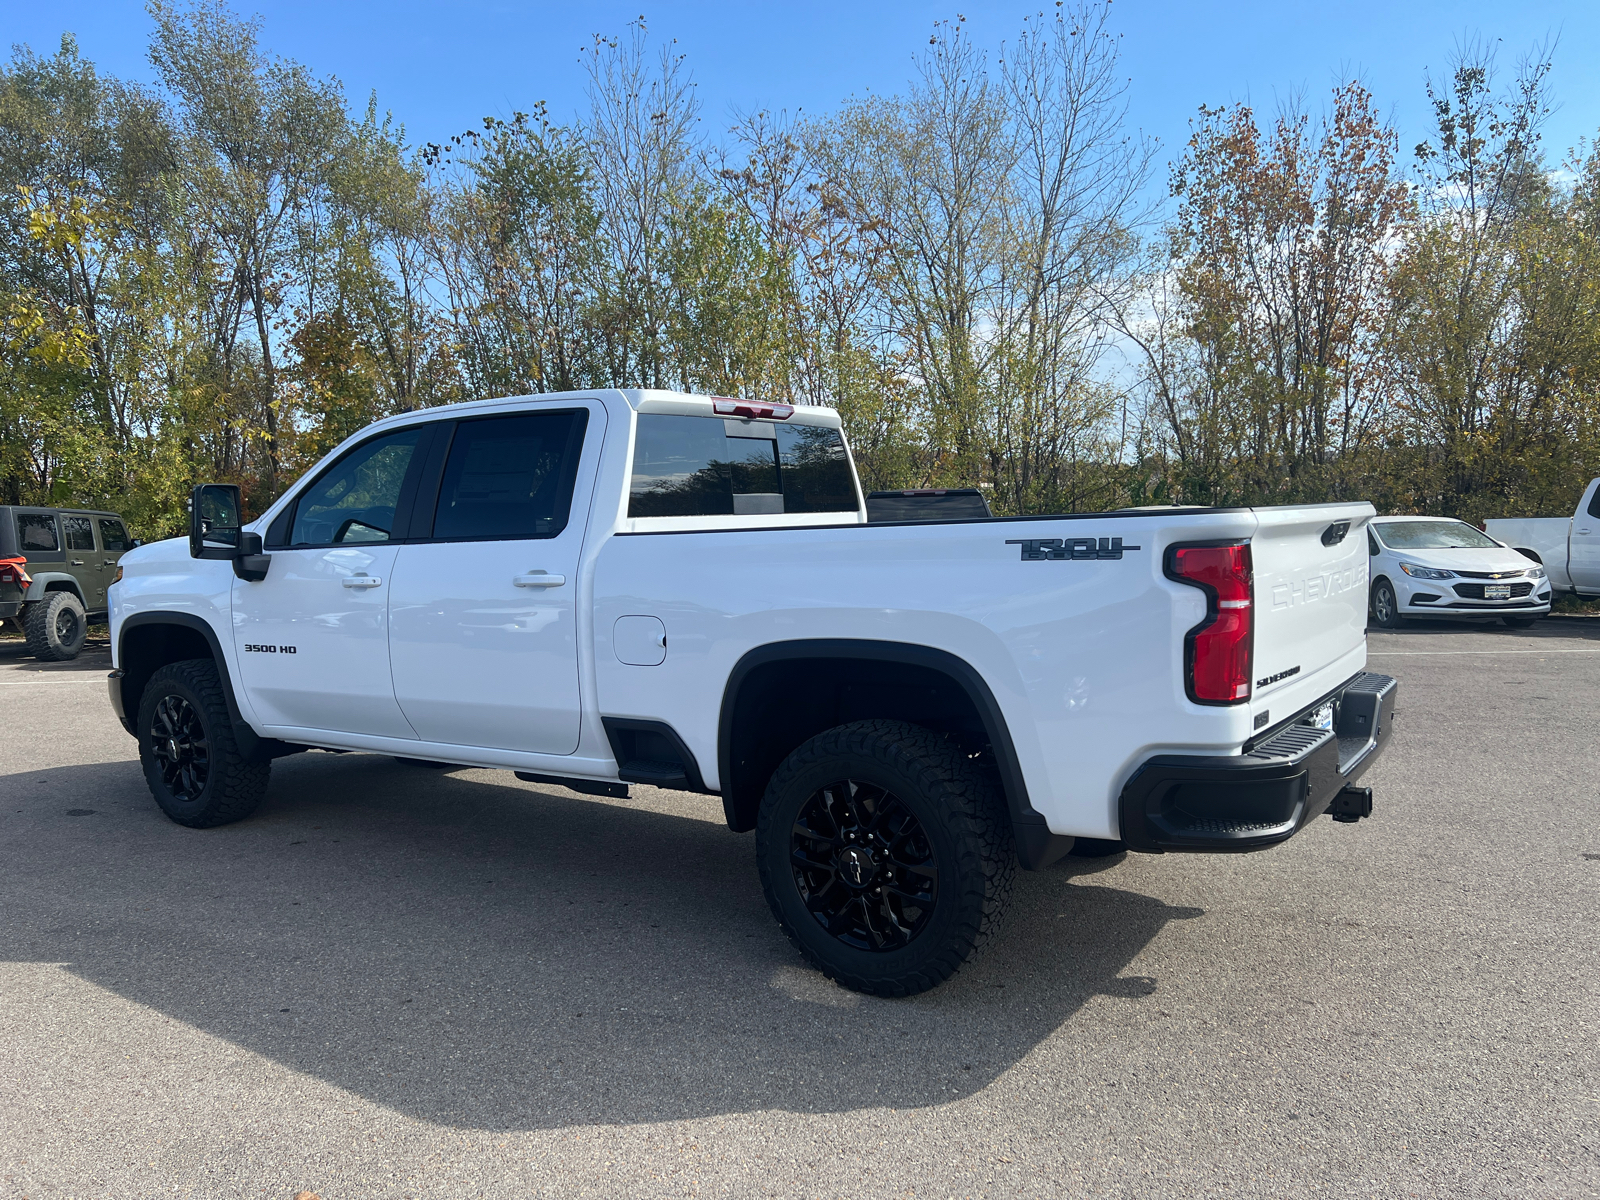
{"x":500,"y":989}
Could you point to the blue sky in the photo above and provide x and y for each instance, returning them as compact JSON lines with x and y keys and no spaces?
{"x":442,"y":66}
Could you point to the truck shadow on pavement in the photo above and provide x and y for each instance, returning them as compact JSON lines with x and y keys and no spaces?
{"x":500,"y":957}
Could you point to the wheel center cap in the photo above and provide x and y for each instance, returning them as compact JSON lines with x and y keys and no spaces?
{"x":857,"y":865}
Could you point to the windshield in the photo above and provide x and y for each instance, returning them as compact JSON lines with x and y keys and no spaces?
{"x":1433,"y":535}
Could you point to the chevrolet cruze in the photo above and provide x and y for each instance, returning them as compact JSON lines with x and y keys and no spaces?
{"x":1438,"y":566}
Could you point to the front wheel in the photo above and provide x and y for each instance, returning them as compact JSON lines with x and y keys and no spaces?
{"x":1385,"y":608}
{"x":187,"y":747}
{"x":886,"y":855}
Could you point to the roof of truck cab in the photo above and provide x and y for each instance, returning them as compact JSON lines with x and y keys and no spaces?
{"x":636,"y":398}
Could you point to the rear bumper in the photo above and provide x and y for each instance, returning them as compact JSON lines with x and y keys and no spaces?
{"x":1235,"y":803}
{"x":9,"y":608}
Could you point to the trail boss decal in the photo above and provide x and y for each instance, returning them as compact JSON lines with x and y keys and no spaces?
{"x":251,"y":648}
{"x":1040,"y":549}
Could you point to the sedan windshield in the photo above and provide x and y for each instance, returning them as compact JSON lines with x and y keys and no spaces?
{"x":1433,"y":535}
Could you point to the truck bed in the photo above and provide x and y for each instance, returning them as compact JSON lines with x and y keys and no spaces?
{"x":1084,"y":655}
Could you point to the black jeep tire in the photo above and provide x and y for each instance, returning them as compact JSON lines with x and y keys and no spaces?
{"x":860,"y":823}
{"x":1384,"y":607}
{"x":56,"y":627}
{"x":187,"y":747}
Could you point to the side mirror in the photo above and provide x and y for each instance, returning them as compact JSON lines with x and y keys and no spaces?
{"x":216,"y":531}
{"x":214,"y":521}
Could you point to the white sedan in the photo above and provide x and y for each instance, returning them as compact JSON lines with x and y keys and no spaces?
{"x":1438,"y":566}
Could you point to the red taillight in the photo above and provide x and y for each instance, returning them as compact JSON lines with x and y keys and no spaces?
{"x":752,"y":410}
{"x":1218,"y":650}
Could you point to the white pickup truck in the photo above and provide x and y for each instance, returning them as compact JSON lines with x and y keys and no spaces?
{"x":615,"y":587}
{"x":1567,"y":547}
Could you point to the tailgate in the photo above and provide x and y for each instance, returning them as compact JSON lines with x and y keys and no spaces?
{"x":1310,"y":604}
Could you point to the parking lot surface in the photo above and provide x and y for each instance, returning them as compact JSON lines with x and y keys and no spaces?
{"x":396,"y":982}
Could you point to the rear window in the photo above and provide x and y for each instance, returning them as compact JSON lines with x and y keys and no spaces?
{"x":36,"y":531}
{"x":709,"y":466}
{"x":1433,"y":535}
{"x":78,"y":532}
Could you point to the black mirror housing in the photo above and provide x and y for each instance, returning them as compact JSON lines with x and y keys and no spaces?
{"x":250,"y":564}
{"x":215,"y":519}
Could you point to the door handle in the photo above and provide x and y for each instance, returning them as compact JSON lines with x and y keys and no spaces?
{"x":538,"y":579}
{"x":78,"y":562}
{"x":1583,"y":531}
{"x":361,"y":581}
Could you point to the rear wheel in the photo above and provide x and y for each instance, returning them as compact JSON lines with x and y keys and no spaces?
{"x":886,"y":855}
{"x":56,"y":627}
{"x":1384,"y":607}
{"x":187,"y":747}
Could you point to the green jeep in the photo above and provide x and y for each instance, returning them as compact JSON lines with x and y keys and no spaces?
{"x":55,"y":566}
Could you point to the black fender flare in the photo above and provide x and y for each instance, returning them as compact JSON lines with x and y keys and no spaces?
{"x":250,"y":742}
{"x":41,"y":587}
{"x":1037,"y":846}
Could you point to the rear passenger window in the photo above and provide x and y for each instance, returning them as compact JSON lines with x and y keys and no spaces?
{"x":36,"y":531}
{"x":78,"y":532}
{"x":114,"y":537}
{"x":708,"y":466}
{"x":510,"y":477}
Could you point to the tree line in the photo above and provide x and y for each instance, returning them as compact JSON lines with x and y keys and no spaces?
{"x":221,"y":276}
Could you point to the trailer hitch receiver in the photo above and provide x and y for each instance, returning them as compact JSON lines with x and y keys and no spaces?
{"x":1351,"y":804}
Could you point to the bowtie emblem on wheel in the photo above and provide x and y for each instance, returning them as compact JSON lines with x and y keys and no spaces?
{"x":1041,"y":549}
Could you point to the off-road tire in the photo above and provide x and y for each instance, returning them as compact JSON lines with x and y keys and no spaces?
{"x":55,"y":626}
{"x":1384,"y":607}
{"x":961,"y":810}
{"x":233,"y":785}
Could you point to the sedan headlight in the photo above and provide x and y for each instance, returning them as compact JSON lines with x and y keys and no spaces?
{"x":1417,"y":572}
{"x":1534,"y":572}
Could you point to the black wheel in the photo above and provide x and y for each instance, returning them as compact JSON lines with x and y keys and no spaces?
{"x":187,"y":748}
{"x":886,"y":855}
{"x":1384,"y":607}
{"x":56,"y":627}
{"x":1520,"y":622}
